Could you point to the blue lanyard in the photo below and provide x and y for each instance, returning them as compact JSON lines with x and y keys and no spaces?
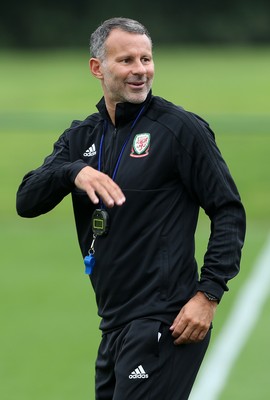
{"x":123,"y":147}
{"x":89,"y":260}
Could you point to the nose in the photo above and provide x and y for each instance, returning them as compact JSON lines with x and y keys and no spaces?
{"x":138,"y":68}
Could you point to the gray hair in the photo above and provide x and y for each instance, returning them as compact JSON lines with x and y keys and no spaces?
{"x":99,"y":36}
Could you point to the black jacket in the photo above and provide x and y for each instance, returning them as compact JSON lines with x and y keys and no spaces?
{"x":170,"y":167}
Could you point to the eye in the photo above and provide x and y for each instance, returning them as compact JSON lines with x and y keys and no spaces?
{"x":125,"y":60}
{"x":146,"y":60}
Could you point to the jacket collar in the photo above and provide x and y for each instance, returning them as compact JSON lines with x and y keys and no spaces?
{"x":125,"y":112}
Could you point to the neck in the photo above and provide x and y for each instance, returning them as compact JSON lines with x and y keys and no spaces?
{"x":111,"y":112}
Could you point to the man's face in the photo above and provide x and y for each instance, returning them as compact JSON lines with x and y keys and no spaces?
{"x":128,"y":68}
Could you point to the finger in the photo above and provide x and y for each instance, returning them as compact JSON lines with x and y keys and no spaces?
{"x":190,"y":336}
{"x":92,"y":196}
{"x":102,"y":194}
{"x":96,"y":183}
{"x":179,"y":330}
{"x":116,"y":194}
{"x":185,"y":337}
{"x":109,"y":192}
{"x":201,"y":335}
{"x":176,"y":320}
{"x":187,"y":331}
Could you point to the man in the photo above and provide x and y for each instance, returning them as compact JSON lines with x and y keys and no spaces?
{"x":138,"y":171}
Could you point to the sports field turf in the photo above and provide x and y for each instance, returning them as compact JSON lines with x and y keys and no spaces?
{"x":49,"y":327}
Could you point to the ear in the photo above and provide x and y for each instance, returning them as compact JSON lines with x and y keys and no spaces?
{"x":95,"y":68}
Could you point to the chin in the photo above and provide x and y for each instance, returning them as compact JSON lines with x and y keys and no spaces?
{"x":137,"y":99}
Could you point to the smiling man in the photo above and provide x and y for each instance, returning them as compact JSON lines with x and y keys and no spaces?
{"x":139,"y":170}
{"x":126,"y":71}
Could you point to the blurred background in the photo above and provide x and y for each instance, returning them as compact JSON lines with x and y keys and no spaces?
{"x":212,"y":58}
{"x":67,"y":23}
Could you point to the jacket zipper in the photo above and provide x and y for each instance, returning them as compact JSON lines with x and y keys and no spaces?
{"x":112,"y":153}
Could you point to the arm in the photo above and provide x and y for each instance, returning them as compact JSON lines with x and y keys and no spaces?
{"x":42,"y":189}
{"x":211,"y":186}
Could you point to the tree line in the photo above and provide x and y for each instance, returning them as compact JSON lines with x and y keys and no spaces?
{"x":69,"y":23}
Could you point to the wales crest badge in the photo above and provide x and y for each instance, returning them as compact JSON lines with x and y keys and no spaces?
{"x":140,"y":145}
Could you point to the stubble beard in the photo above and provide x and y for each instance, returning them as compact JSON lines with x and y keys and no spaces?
{"x":139,"y":97}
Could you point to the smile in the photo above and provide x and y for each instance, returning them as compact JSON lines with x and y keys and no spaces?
{"x":136,"y":84}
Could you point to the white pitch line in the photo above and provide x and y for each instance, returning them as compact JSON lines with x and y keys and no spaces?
{"x":228,"y":345}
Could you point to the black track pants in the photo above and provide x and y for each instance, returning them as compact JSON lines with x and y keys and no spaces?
{"x":140,"y":362}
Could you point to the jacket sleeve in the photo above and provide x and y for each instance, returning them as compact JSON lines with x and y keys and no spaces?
{"x":210,"y":184}
{"x":42,"y":189}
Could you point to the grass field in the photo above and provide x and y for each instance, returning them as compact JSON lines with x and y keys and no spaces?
{"x":49,"y":327}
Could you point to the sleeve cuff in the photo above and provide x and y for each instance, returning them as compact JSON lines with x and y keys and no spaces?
{"x":73,"y":169}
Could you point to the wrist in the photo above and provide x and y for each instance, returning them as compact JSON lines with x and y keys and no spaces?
{"x":210,"y":297}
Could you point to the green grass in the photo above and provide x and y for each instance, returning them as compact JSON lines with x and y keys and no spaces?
{"x":49,"y":327}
